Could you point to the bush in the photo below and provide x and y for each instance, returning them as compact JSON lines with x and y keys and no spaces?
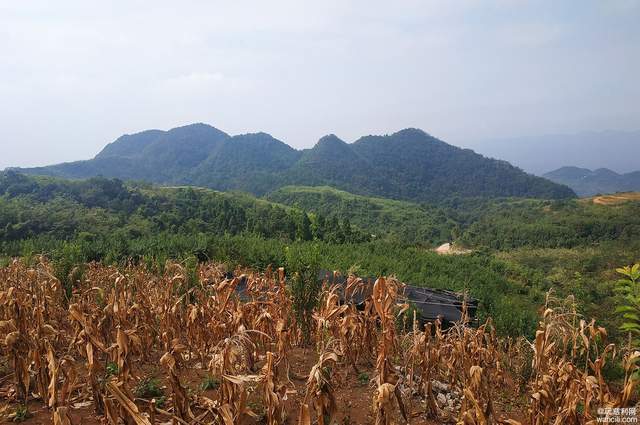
{"x":303,"y":269}
{"x":68,"y":266}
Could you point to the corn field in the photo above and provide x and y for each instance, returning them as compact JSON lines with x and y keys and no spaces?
{"x":128,"y":346}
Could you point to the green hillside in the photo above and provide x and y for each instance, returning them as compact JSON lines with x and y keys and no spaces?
{"x":401,"y":221}
{"x":497,"y":224}
{"x":109,"y":215}
{"x":408,"y":165}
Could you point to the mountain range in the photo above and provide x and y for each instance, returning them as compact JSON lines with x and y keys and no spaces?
{"x":587,"y":182}
{"x":409,"y":164}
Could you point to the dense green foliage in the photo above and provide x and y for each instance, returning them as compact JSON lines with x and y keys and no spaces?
{"x":586,"y":273}
{"x":498,"y":224}
{"x":508,"y":224}
{"x":106,"y":212}
{"x":629,"y":287}
{"x":409,"y":165}
{"x":388,"y":219}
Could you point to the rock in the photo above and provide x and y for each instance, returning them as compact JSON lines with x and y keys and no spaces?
{"x":442,"y":399}
{"x":451,"y":403}
{"x":440,"y":386}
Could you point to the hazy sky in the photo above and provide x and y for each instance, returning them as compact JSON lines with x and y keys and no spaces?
{"x":74,"y":75}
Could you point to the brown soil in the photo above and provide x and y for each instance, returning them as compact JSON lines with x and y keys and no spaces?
{"x":616,"y":199}
{"x":354,"y":396}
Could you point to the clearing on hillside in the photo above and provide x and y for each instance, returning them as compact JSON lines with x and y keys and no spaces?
{"x":616,"y":198}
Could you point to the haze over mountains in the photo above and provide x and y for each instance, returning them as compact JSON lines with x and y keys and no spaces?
{"x":615,"y":150}
{"x":409,"y":164}
{"x":586,"y":182}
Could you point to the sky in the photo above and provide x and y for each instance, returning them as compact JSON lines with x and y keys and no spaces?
{"x":75,"y":75}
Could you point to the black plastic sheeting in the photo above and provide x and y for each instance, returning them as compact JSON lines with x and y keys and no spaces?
{"x":430,"y":304}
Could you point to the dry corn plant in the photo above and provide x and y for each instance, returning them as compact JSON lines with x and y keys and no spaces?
{"x":229,"y":363}
{"x":274,"y":395}
{"x":477,"y":355}
{"x":180,"y":398}
{"x":319,"y":392}
{"x":569,"y":356}
{"x":97,"y":342}
{"x":344,"y":322}
{"x":424,"y":356}
{"x":327,"y":317}
{"x":385,"y":293}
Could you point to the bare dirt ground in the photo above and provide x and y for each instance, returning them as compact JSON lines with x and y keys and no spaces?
{"x":451,"y":249}
{"x":616,"y":198}
{"x":353,"y":392}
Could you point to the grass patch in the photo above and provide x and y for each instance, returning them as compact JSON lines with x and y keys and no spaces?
{"x":148,"y":387}
{"x":209,"y":383}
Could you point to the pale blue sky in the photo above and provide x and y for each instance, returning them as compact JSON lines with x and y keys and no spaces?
{"x":74,"y":75}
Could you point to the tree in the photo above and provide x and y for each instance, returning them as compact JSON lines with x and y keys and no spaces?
{"x":304,"y":229}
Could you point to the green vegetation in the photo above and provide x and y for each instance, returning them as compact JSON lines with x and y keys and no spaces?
{"x":409,"y":165}
{"x":629,"y":286}
{"x":303,"y":265}
{"x":496,"y":224}
{"x":104,"y":216}
{"x":111,"y":369}
{"x":508,"y":224}
{"x":389,"y":219}
{"x":520,"y":248}
{"x":148,"y":387}
{"x":21,"y":414}
{"x":209,"y":383}
{"x":363,"y":378}
{"x":587,"y":273}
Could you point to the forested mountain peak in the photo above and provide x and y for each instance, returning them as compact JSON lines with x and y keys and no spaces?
{"x":605,"y":172}
{"x":407,"y":135}
{"x":409,"y":164}
{"x":129,"y":145}
{"x":331,"y":140}
{"x":259,"y":137}
{"x":329,"y":145}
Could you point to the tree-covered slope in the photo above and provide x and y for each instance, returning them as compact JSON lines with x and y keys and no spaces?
{"x":402,"y":221}
{"x":45,"y":208}
{"x":420,"y":167}
{"x":408,"y":165}
{"x":252,"y":163}
{"x":507,"y":224}
{"x":497,"y":224}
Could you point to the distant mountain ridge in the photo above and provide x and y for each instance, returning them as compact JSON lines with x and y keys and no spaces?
{"x":409,"y":164}
{"x":587,"y":182}
{"x":612,"y":149}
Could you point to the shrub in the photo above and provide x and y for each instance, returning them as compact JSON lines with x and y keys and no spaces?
{"x":629,"y":287}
